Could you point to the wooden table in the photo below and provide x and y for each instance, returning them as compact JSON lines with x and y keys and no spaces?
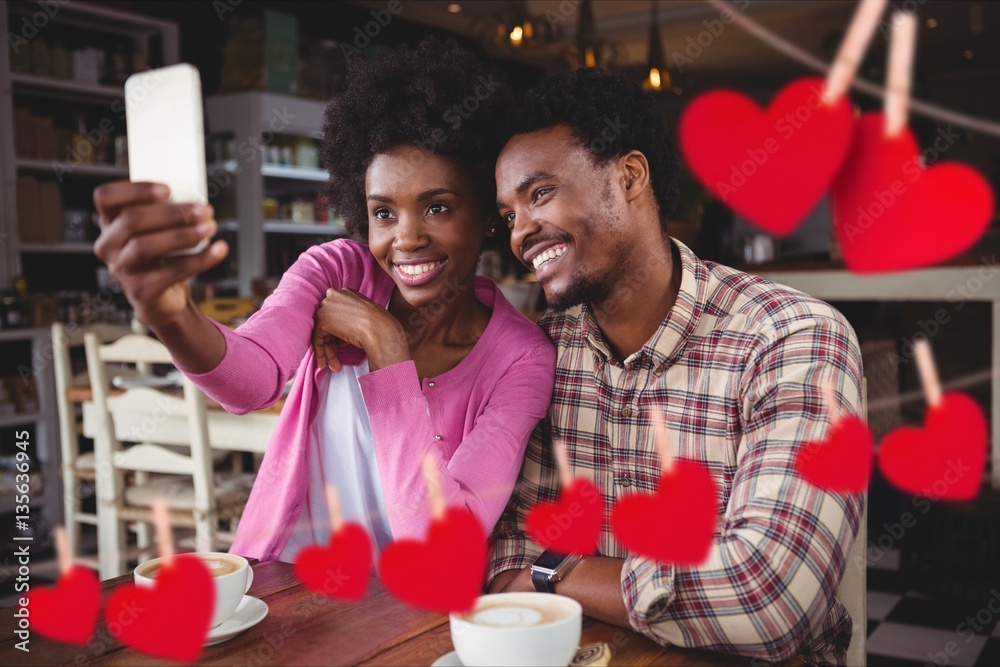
{"x":240,"y":433}
{"x":304,"y":629}
{"x":86,"y":395}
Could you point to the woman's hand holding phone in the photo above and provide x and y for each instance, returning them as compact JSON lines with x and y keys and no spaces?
{"x":141,"y":233}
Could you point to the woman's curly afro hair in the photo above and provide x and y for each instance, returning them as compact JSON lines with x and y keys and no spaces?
{"x":609,"y":116}
{"x":438,"y":97}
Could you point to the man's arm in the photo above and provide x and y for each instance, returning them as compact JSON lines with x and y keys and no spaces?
{"x":595,"y":583}
{"x":773,"y":570}
{"x":775,"y":565}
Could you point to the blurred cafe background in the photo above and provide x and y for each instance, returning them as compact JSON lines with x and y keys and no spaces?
{"x":268,"y":69}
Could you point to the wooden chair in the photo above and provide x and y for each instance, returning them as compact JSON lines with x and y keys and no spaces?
{"x":76,"y":467}
{"x":853,"y":589}
{"x":196,"y":496}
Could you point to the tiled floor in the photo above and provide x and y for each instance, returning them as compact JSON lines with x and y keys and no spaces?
{"x":906,"y":628}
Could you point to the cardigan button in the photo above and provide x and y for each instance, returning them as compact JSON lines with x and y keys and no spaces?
{"x":437,"y":437}
{"x":431,"y":384}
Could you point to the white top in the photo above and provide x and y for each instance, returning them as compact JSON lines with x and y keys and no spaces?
{"x":342,"y":453}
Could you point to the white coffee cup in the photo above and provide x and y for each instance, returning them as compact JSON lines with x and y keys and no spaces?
{"x":518,"y":629}
{"x":231,"y":574}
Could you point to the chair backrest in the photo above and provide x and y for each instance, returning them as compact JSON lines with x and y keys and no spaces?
{"x":149,"y":409}
{"x":853,"y":590}
{"x":63,"y":339}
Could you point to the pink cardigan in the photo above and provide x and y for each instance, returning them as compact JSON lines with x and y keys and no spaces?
{"x":476,"y":418}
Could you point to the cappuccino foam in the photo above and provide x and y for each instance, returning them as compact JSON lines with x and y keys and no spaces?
{"x":217,"y":566}
{"x":507,"y":614}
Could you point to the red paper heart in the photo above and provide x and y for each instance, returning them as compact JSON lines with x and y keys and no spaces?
{"x":674,"y":525}
{"x":892,"y":214}
{"x":446,"y":572}
{"x":572,"y":525}
{"x":170,"y":619}
{"x":840,"y":463}
{"x":341,"y":570}
{"x":67,"y":612}
{"x":772,"y":167}
{"x":943,"y":460}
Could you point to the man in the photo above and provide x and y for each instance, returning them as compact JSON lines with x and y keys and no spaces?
{"x":736,"y":365}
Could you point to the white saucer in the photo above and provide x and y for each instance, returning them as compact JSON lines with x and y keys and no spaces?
{"x":447,"y":660}
{"x":249,"y":613}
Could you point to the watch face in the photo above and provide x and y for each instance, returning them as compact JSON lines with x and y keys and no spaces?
{"x":549,"y":560}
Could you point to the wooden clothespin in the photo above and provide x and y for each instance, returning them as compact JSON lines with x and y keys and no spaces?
{"x":664,"y":443}
{"x":852,"y":49}
{"x":830,"y":400}
{"x":164,"y":536}
{"x":333,"y":506}
{"x":63,"y":554}
{"x":928,"y":372}
{"x":435,"y":497}
{"x":900,"y":72}
{"x":562,"y":462}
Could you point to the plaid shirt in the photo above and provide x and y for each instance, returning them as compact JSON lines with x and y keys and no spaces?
{"x":737,"y":368}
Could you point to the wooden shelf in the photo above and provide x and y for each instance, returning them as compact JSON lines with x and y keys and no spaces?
{"x":294,"y":173}
{"x":89,"y":25}
{"x":14,"y":420}
{"x":282,"y":227}
{"x":226,"y":165}
{"x":30,"y":82}
{"x":58,"y":248}
{"x":258,"y":115}
{"x":928,"y":284}
{"x":67,"y":169}
{"x":221,"y":283}
{"x":9,"y":335}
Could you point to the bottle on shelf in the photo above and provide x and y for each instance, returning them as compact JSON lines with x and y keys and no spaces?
{"x":41,"y":59}
{"x":83,"y":146}
{"x":13,"y":305}
{"x":121,"y":151}
{"x":59,"y":61}
{"x":20,"y":58}
{"x":118,"y":70}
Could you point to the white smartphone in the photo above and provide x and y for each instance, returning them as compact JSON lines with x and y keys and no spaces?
{"x":166,"y":134}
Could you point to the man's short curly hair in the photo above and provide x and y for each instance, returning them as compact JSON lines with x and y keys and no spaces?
{"x":610,"y":116}
{"x":438,"y":97}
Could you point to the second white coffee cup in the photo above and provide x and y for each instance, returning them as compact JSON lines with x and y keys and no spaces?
{"x":231,"y":574}
{"x":518,"y":629}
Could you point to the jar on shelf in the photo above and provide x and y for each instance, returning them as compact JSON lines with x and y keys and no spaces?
{"x":302,"y":211}
{"x":13,"y":310}
{"x":270,"y":206}
{"x":306,"y":153}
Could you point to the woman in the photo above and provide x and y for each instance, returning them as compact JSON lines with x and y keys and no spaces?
{"x":397,"y":347}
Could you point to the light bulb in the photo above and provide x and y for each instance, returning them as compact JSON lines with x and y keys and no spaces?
{"x":654,"y":79}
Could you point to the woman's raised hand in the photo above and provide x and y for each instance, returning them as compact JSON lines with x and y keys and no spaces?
{"x":139,"y":230}
{"x":347,"y":317}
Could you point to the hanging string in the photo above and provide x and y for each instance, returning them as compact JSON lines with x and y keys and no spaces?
{"x":804,"y":57}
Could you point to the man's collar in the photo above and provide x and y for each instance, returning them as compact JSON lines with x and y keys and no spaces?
{"x":682,"y":319}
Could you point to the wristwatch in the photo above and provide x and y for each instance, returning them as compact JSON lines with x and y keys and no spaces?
{"x":552,"y":567}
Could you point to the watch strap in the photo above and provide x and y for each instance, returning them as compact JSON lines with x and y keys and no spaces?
{"x":542,"y":582}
